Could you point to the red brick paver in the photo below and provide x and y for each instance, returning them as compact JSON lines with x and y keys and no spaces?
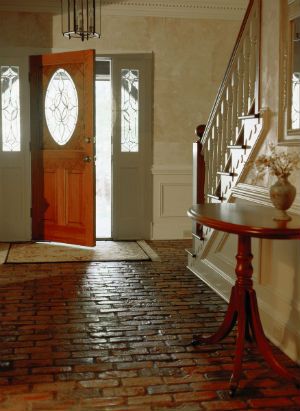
{"x":115,"y":337}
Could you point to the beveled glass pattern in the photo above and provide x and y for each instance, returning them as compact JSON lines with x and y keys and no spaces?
{"x":294,"y":103}
{"x":295,"y":109}
{"x":10,"y":108}
{"x":61,"y":107}
{"x":129,"y":110}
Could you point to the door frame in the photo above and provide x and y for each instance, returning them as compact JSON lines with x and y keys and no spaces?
{"x":145,"y":59}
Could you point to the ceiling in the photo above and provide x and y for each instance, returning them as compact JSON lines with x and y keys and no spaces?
{"x":217,"y":9}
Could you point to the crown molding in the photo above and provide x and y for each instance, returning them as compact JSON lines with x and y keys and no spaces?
{"x":196,"y":9}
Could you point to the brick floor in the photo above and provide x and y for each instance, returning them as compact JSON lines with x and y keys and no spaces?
{"x":114,"y":336}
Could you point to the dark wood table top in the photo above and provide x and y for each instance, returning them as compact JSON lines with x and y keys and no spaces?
{"x":250,"y":220}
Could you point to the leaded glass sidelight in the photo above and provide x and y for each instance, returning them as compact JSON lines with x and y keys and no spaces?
{"x":10,"y":108}
{"x":129,"y":110}
{"x":295,"y":106}
{"x":61,"y":107}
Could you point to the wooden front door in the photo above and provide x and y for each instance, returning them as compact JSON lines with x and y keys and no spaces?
{"x":62,"y":147}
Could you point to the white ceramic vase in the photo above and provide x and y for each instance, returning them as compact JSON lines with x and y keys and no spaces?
{"x":282,"y":195}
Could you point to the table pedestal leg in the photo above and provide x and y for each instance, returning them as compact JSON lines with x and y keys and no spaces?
{"x":243,"y":309}
{"x":227,"y":325}
{"x":263,"y":344}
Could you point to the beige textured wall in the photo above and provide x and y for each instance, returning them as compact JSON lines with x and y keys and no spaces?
{"x":279,"y":288}
{"x":271,"y":90}
{"x":282,"y":288}
{"x":25,"y":30}
{"x":190,"y":58}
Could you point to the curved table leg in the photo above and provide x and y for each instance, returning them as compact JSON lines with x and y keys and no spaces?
{"x":242,"y":328}
{"x":249,"y":335}
{"x":263,"y":344}
{"x":225,"y":328}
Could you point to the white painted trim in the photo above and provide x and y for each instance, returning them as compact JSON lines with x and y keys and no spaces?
{"x":218,"y":281}
{"x":166,"y":170}
{"x":252,"y":193}
{"x":260,"y":195}
{"x":195,"y":9}
{"x":148,"y":250}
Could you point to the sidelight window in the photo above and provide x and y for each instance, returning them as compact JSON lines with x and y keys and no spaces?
{"x":129,"y":110}
{"x":10,"y":108}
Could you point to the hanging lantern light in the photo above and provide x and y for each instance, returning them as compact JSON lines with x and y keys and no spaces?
{"x":81,"y":18}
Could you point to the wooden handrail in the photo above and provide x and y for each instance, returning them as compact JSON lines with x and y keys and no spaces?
{"x":228,"y":72}
{"x":234,"y":123}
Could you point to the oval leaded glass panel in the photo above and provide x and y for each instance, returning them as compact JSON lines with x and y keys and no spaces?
{"x":61,"y":107}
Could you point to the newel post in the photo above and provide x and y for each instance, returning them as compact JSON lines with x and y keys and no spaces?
{"x":198,"y":174}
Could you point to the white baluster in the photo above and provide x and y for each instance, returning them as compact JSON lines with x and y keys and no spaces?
{"x":229,"y":96}
{"x":207,"y":172}
{"x":224,"y":133}
{"x":234,"y":81}
{"x":246,"y":54}
{"x":253,"y":58}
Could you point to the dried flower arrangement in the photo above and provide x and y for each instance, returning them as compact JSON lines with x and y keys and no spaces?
{"x":279,"y":163}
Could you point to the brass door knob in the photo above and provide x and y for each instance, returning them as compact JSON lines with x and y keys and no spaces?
{"x":87,"y":159}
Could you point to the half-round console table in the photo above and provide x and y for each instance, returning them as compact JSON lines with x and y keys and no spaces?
{"x":246,"y":221}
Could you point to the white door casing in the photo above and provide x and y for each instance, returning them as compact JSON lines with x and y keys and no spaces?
{"x":15,"y":182}
{"x":131,"y":171}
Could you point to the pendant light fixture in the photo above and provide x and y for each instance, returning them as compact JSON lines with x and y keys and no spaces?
{"x":81,"y":18}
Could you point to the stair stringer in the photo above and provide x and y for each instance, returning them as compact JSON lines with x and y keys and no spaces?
{"x":254,"y":135}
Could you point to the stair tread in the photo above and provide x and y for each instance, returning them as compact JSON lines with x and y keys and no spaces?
{"x":238,"y":146}
{"x":226,"y":173}
{"x":199,"y":237}
{"x":220,"y":198}
{"x":191,"y":252}
{"x":248,"y":116}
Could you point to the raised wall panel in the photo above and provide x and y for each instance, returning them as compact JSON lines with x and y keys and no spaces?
{"x":172,"y":196}
{"x":175,"y":199}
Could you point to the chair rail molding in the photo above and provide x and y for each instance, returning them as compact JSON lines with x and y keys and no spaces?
{"x":165,"y":170}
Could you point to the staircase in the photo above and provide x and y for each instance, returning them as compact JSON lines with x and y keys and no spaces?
{"x":234,"y":128}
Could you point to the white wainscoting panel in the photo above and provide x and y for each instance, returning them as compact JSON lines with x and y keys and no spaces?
{"x":172,"y":196}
